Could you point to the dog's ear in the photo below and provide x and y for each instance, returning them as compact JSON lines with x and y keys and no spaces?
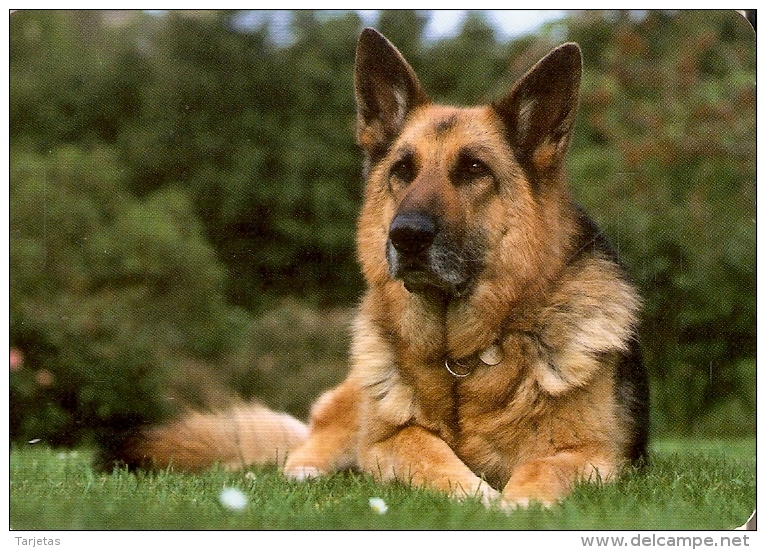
{"x":387,"y":90}
{"x":540,"y":109}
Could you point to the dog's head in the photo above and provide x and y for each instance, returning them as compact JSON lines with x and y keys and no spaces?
{"x":457,"y":195}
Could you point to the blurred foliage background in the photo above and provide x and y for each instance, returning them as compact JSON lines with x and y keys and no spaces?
{"x":184,"y":190}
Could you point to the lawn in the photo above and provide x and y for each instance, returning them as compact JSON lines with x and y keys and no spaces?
{"x":690,"y":484}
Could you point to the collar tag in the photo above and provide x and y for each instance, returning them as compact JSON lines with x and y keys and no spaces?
{"x":492,"y":355}
{"x":460,"y":369}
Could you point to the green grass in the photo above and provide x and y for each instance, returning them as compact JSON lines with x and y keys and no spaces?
{"x":691,"y":484}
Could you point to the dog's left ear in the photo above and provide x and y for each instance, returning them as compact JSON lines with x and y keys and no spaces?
{"x":540,"y":109}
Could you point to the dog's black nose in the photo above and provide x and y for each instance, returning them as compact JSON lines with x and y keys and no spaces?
{"x":412,"y":232}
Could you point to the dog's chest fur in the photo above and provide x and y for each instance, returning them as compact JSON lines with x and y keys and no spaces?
{"x":545,"y":394}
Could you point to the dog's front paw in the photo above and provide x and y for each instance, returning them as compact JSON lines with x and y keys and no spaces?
{"x":508,"y":505}
{"x":488,"y":495}
{"x":515,"y":497}
{"x":302,"y":473}
{"x":484,"y":493}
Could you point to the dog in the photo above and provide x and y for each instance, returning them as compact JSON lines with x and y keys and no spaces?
{"x":494,"y":353}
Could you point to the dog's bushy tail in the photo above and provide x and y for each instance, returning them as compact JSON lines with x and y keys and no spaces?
{"x":244,"y":435}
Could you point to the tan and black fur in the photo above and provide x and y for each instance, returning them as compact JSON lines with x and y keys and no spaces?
{"x":494,"y":352}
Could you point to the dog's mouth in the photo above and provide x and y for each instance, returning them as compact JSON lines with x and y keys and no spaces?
{"x":435,"y":271}
{"x":425,"y":282}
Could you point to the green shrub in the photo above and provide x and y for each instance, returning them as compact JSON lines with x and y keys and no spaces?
{"x":106,"y":293}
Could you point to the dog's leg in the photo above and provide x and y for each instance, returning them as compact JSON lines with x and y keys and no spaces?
{"x":416,"y":456}
{"x":547,"y":480}
{"x":333,"y":435}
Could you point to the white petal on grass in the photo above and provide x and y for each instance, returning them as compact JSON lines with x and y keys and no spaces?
{"x":232,"y":499}
{"x":378,"y":505}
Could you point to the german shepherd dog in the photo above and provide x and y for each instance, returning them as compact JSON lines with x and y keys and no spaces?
{"x":494,"y":353}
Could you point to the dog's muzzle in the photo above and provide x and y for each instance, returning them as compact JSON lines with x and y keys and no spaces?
{"x":424,"y":257}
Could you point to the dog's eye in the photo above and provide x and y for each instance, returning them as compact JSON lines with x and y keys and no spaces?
{"x":469,"y":168}
{"x":404,"y":169}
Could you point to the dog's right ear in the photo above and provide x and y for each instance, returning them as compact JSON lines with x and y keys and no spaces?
{"x":387,"y":90}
